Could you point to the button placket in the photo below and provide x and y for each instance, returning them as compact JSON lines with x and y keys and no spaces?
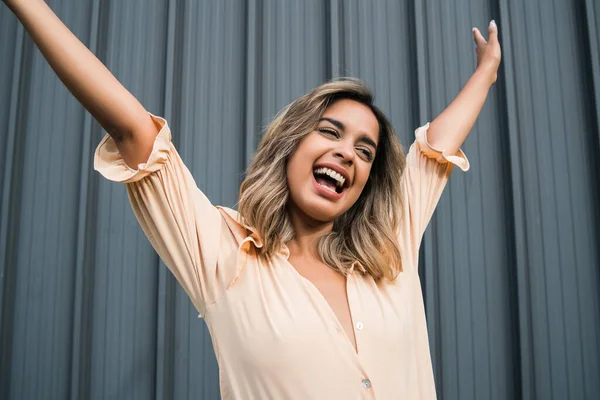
{"x":355,"y":313}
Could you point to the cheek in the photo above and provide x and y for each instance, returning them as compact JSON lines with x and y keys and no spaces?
{"x":296,"y":177}
{"x":292,"y":178}
{"x":299,"y":165}
{"x":354,"y":194}
{"x":293,"y":168}
{"x":361,"y":177}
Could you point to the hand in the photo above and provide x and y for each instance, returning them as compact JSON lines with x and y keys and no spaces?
{"x":488,"y":52}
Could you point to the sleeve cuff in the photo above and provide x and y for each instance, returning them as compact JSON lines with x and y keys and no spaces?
{"x":110,"y":164}
{"x":460,"y":159}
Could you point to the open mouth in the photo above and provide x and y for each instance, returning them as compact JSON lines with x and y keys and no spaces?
{"x":330,"y":180}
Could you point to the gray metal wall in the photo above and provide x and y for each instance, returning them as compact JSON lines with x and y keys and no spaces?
{"x":510,"y":261}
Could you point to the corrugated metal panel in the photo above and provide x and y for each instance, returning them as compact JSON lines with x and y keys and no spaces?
{"x":39,"y":258}
{"x":509,"y":264}
{"x":466,"y":262}
{"x":553,"y":131}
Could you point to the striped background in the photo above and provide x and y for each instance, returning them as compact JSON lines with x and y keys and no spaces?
{"x":510,"y":263}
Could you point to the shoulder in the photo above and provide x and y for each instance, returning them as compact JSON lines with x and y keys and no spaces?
{"x":240,"y":230}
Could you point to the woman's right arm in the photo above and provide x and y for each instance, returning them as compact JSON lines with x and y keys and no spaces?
{"x":92,"y":84}
{"x":196,"y":240}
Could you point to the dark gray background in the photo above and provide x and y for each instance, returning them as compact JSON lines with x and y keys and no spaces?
{"x":509,"y":263}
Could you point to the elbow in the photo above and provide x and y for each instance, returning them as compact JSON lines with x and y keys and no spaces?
{"x":137,"y":128}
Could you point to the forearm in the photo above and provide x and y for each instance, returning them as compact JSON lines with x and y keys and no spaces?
{"x":449,"y":130}
{"x":117,"y":110}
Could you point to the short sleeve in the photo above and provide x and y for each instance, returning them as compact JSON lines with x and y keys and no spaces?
{"x":196,"y":241}
{"x":426,"y":174}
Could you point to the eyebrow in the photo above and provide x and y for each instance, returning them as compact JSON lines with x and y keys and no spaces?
{"x":338,"y":124}
{"x":335,"y":122}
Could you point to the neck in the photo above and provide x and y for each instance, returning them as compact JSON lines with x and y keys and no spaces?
{"x":308,"y":231}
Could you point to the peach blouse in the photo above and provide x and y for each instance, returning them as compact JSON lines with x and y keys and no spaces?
{"x":274,"y":334}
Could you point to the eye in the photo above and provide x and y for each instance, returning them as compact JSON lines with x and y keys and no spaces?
{"x":366,"y":153}
{"x":329,"y":131}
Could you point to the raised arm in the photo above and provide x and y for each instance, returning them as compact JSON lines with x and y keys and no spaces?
{"x":115,"y":108}
{"x":449,"y":130}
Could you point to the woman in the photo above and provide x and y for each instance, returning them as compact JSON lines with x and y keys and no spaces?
{"x":312,"y":290}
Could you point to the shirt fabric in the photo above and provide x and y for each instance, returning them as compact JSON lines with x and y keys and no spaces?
{"x":274,"y":334}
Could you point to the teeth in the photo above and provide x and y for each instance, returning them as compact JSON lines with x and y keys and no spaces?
{"x":329,"y":172}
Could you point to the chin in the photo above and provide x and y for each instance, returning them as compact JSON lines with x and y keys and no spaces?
{"x":322,"y":215}
{"x":316,"y":207}
{"x":321,"y":211}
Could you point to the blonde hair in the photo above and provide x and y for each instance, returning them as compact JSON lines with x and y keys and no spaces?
{"x":367,"y":232}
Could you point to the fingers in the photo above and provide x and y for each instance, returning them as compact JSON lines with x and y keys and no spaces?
{"x":492,"y":34}
{"x":493,"y":31}
{"x":479,"y":39}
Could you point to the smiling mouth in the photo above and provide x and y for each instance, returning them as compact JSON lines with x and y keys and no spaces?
{"x":330,"y":180}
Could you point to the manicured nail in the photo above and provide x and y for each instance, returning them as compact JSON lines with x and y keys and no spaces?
{"x":493,"y":24}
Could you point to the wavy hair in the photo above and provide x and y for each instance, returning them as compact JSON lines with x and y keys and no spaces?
{"x":367,"y":232}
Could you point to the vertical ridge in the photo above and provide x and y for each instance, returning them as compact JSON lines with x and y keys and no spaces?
{"x":82,"y":299}
{"x":526,"y":376}
{"x":334,"y":40}
{"x":593,"y":30}
{"x":8,"y":218}
{"x":253,"y":78}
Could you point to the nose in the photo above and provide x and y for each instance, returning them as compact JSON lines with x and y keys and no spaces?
{"x":345,"y":152}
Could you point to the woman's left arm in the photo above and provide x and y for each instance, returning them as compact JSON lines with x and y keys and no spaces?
{"x":449,"y":130}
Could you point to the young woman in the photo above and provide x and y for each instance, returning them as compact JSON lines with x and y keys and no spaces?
{"x":311,"y":290}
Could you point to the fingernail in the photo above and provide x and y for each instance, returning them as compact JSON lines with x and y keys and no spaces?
{"x":493,"y":23}
{"x":472,"y":29}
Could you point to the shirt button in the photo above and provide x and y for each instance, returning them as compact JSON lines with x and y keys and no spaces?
{"x":366,"y":383}
{"x":359,"y":326}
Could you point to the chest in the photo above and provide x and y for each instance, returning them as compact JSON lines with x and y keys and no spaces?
{"x":280,"y":323}
{"x":333,"y":287}
{"x":283,"y":310}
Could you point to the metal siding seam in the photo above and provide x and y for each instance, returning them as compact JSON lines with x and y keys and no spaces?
{"x":165,"y":302}
{"x":216,"y":93}
{"x":593,"y":35}
{"x":571,"y":378}
{"x":253,"y":77}
{"x":79,"y":384}
{"x":9,"y":160}
{"x":524,"y":306}
{"x":593,"y":31}
{"x":281,"y":58}
{"x":7,"y":296}
{"x":335,"y":39}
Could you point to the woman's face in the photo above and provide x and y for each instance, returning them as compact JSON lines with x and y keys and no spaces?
{"x":329,"y":169}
